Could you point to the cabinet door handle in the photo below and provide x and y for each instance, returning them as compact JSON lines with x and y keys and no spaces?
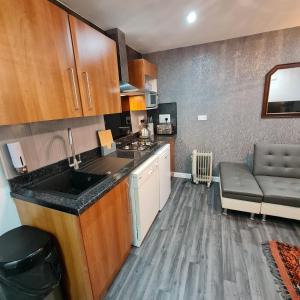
{"x":88,"y":89}
{"x":74,"y":88}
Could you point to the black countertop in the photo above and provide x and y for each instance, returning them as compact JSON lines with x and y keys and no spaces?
{"x":165,"y":137}
{"x":78,"y":205}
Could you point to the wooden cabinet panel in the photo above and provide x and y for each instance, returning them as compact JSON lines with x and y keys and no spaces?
{"x":136,"y":73}
{"x":94,"y":245}
{"x":37,"y":68}
{"x":97,"y":66}
{"x":172,"y":154}
{"x":137,"y":103}
{"x":132,"y":103}
{"x":150,"y":69}
{"x":66,"y":229}
{"x":107,"y":235}
{"x":138,"y":70}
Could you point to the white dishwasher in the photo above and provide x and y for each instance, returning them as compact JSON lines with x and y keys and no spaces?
{"x":163,"y":155}
{"x":144,"y":196}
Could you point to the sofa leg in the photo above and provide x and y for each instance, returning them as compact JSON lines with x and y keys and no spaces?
{"x":264,"y":218}
{"x":252,"y":216}
{"x":225,"y":211}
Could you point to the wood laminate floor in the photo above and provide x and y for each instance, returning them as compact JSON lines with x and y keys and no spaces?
{"x":194,"y":252}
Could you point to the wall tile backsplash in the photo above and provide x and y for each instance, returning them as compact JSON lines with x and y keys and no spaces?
{"x":136,"y":116}
{"x":45,"y":143}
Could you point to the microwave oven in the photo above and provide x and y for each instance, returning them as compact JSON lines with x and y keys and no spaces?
{"x":151,"y":100}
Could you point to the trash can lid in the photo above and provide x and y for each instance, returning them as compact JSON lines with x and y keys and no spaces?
{"x":23,"y":247}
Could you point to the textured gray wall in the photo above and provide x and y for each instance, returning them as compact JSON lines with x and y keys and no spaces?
{"x":225,"y":81}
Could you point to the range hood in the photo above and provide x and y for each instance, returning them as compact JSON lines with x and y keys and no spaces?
{"x":126,"y":88}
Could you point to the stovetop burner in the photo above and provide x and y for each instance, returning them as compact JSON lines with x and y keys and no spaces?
{"x":137,"y":145}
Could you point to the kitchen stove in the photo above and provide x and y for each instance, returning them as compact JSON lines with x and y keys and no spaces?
{"x":137,"y":145}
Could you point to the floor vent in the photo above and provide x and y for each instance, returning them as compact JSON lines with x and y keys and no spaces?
{"x":202,"y":167}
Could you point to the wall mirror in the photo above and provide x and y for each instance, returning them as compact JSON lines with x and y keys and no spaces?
{"x":282,"y":92}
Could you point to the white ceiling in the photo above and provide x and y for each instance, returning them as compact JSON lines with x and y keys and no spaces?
{"x":154,"y":25}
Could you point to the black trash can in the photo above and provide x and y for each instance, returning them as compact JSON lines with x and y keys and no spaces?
{"x":30,"y":267}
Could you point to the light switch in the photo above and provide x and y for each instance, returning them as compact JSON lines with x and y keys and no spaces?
{"x":202,"y":117}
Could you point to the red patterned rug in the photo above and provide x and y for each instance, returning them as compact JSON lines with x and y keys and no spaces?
{"x":284,"y":262}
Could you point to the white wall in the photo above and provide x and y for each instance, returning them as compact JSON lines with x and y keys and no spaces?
{"x":8,"y":213}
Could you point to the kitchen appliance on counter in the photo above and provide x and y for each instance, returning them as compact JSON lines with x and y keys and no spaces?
{"x":137,"y":145}
{"x":164,"y":129}
{"x":144,"y":197}
{"x":165,"y":126}
{"x":144,"y":131}
{"x":161,"y":125}
{"x":151,"y":126}
{"x":163,"y":155}
{"x":151,"y":100}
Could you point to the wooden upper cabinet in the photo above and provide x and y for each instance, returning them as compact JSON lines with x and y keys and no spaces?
{"x":131,"y":103}
{"x":142,"y":72}
{"x":97,"y":66}
{"x":37,"y":69}
{"x":150,"y":69}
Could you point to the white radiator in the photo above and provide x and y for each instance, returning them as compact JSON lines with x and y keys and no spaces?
{"x":202,"y":167}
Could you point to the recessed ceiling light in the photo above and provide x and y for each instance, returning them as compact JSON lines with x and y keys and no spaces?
{"x":191,"y":17}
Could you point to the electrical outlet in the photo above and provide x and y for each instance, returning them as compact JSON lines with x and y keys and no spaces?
{"x":162,"y":118}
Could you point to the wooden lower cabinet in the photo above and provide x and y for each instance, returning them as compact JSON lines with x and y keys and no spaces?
{"x":106,"y":232}
{"x":172,"y":153}
{"x":93,"y":245}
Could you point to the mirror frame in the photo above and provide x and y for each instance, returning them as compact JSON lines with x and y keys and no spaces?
{"x":264,"y":112}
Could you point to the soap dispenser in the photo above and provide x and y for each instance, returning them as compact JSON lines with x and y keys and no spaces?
{"x":17,"y":157}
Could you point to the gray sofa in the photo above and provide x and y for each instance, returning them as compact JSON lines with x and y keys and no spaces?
{"x":272,"y":189}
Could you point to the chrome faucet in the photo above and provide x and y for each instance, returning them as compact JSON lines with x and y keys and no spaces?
{"x":75,"y":162}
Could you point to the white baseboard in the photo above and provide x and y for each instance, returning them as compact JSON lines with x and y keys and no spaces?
{"x":182,"y":175}
{"x":189,"y":176}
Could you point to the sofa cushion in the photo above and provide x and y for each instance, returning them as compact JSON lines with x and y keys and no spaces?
{"x":280,"y":190}
{"x":281,"y":160}
{"x":238,"y":182}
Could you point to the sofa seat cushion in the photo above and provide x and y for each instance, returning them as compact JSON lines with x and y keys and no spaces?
{"x":280,"y":190}
{"x":238,"y":183}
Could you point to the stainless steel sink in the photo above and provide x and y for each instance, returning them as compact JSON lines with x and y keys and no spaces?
{"x":71,"y":183}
